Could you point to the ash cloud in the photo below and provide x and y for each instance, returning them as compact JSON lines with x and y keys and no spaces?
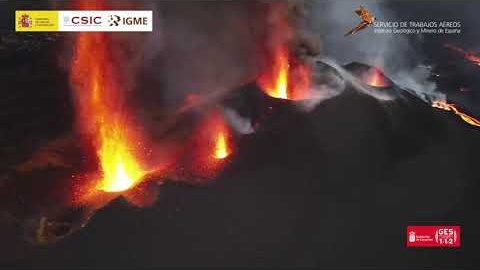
{"x":202,"y":49}
{"x":197,"y":48}
{"x":206,"y":47}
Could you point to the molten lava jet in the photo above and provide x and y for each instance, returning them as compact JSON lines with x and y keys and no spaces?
{"x":215,"y":137}
{"x":277,"y":85}
{"x":102,"y":115}
{"x":450,"y":107}
{"x":208,"y":151}
{"x":287,"y":78}
{"x":376,"y":78}
{"x":470,"y":56}
{"x":221,"y":146}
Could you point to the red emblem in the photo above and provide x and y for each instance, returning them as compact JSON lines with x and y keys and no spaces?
{"x":433,"y":236}
{"x":25,"y":21}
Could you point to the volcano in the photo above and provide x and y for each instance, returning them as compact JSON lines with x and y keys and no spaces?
{"x":332,"y":185}
{"x":372,"y":76}
{"x":297,"y":178}
{"x":283,"y":137}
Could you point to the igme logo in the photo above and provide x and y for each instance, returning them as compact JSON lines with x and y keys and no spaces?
{"x":114,"y":20}
{"x":135,"y":21}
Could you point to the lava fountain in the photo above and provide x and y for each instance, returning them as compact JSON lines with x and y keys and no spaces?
{"x":287,"y":78}
{"x":375,"y":78}
{"x":276,"y":84}
{"x":209,"y":150}
{"x":215,"y":135}
{"x":102,"y":115}
{"x":222,"y":149}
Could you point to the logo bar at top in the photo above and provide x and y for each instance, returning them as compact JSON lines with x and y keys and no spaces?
{"x":83,"y":21}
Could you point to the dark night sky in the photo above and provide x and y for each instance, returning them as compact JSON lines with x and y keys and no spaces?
{"x":332,"y":188}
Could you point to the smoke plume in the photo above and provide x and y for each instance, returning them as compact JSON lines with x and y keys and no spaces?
{"x":395,"y":54}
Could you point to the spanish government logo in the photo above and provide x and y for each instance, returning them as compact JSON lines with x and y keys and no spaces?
{"x":25,"y":21}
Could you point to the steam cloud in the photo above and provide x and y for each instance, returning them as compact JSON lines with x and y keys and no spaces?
{"x":396,"y":54}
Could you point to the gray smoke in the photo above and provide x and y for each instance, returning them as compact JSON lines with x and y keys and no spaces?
{"x":201,"y":49}
{"x":327,"y":85}
{"x":417,"y":81}
{"x":239,"y":124}
{"x":396,"y":54}
{"x":206,"y":47}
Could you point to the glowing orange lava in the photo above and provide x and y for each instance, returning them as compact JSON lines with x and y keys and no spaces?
{"x":221,"y":147}
{"x":450,"y":107}
{"x":276,"y":84}
{"x":470,"y":56}
{"x":287,"y":78}
{"x":101,"y":113}
{"x":218,"y":134}
{"x":209,"y":150}
{"x":376,"y":78}
{"x":120,"y":168}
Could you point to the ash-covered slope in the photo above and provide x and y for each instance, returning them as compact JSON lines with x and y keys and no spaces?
{"x":333,"y":187}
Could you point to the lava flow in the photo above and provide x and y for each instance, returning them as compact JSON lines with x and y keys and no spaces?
{"x":470,"y":56}
{"x":102,"y":115}
{"x":287,"y":78}
{"x":450,"y":107}
{"x":376,"y":78}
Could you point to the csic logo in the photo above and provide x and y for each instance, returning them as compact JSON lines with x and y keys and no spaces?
{"x":25,"y":21}
{"x":114,"y":20}
{"x":82,"y":20}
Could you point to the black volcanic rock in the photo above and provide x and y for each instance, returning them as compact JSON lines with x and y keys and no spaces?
{"x":293,"y":195}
